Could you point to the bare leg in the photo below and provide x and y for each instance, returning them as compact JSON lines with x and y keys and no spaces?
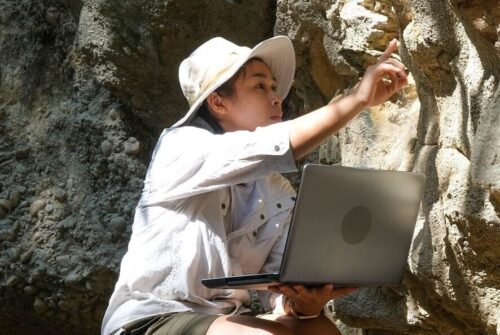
{"x":318,"y":326}
{"x":271,"y":324}
{"x":246,"y":325}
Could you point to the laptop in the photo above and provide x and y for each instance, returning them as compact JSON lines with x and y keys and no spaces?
{"x":350,"y":227}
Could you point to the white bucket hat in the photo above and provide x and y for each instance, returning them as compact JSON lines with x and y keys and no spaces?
{"x":217,"y":60}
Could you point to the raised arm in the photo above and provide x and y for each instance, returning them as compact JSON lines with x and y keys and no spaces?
{"x":310,"y":130}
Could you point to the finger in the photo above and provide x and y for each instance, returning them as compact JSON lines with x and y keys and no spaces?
{"x":288,"y":291}
{"x":327,"y":289}
{"x":274,"y":289}
{"x":393,"y":46}
{"x":397,"y":63}
{"x":379,"y":71}
{"x":300,"y":289}
{"x":402,"y":83}
{"x":397,"y":86}
{"x":392,"y":86}
{"x":282,"y":289}
{"x":396,"y":83}
{"x":384,"y":69}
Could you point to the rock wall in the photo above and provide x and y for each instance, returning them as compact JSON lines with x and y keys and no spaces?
{"x":85,"y":89}
{"x":444,"y":124}
{"x":87,"y":85}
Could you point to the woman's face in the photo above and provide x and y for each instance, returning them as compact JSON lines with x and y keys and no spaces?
{"x":255,"y":102}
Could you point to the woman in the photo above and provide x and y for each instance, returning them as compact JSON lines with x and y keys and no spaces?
{"x":214,"y":202}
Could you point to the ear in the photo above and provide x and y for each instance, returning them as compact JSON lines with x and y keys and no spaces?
{"x":217,"y":105}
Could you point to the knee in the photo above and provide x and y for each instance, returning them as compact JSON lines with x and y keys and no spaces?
{"x":320,"y":326}
{"x":276,"y":329}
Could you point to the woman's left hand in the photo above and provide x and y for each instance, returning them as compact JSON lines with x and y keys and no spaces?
{"x":382,"y":79}
{"x":311,"y":300}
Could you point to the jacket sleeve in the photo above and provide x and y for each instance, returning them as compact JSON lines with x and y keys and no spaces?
{"x":188,"y":161}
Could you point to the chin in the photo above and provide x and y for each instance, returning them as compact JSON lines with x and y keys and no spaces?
{"x":265,"y":124}
{"x":274,"y":121}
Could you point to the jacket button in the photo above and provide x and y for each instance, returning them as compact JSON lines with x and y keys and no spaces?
{"x":293,"y":199}
{"x":278,"y":205}
{"x":254,"y":233}
{"x":223,"y":206}
{"x":262,"y":216}
{"x":276,"y":148}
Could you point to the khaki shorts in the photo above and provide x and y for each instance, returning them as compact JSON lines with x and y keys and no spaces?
{"x":184,"y":323}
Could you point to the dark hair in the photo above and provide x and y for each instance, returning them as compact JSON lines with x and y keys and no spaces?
{"x":225,"y":90}
{"x":205,"y":114}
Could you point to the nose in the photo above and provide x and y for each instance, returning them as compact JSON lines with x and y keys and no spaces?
{"x":276,"y":100}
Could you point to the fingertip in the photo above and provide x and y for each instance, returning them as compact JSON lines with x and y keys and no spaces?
{"x":282,"y":288}
{"x":403,"y":80}
{"x":327,"y":288}
{"x":298,"y":287}
{"x":401,"y":75}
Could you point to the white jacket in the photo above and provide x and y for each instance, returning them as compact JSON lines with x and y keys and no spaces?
{"x":212,"y":205}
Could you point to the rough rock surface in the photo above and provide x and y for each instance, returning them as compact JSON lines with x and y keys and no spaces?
{"x":87,"y":85}
{"x":444,"y":124}
{"x":85,"y":88}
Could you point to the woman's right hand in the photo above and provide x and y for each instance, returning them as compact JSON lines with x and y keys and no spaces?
{"x":311,"y":300}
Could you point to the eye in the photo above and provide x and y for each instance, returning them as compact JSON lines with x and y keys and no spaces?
{"x":274,"y":88}
{"x":260,"y":86}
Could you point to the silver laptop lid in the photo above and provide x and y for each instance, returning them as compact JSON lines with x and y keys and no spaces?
{"x":352,"y":226}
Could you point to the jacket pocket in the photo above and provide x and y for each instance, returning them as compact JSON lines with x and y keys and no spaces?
{"x":252,"y":246}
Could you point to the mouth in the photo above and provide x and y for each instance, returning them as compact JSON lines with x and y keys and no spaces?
{"x":277,"y":117}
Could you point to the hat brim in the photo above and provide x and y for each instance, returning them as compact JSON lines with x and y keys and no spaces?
{"x":277,"y":52}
